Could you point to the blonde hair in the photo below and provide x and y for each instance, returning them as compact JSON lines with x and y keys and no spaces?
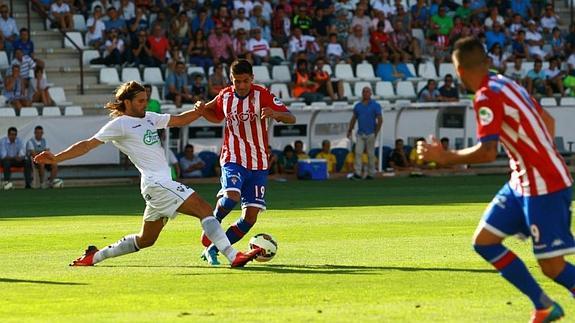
{"x":126,"y":91}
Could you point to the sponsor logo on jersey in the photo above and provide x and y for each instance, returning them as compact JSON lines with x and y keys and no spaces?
{"x":237,"y":118}
{"x":485,"y":116}
{"x":147,"y":197}
{"x":151,"y":137}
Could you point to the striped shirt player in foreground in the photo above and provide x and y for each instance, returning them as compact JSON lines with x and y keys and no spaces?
{"x":536,"y":201}
{"x":134,"y":132}
{"x":245,"y":107}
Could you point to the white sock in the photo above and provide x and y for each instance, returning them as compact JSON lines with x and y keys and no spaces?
{"x":216,"y":234}
{"x":123,"y":246}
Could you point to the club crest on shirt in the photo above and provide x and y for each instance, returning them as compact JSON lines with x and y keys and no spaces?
{"x":277,"y":101}
{"x":485,"y":116}
{"x":151,"y":137}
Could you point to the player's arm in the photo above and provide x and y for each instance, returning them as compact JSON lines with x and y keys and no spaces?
{"x":185,"y":118}
{"x":549,"y":122}
{"x":76,"y":150}
{"x":483,"y":152}
{"x":209,"y":111}
{"x":280,"y":116}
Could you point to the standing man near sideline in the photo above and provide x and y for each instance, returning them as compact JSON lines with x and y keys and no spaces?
{"x":245,"y":107}
{"x":34,"y":146}
{"x":536,"y":201}
{"x":135,"y":132}
{"x":367,"y":113}
{"x":13,"y":154}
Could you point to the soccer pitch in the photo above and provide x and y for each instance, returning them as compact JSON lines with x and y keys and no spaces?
{"x":391,"y":250}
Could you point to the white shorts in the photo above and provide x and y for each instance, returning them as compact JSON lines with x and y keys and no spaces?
{"x":163,"y":198}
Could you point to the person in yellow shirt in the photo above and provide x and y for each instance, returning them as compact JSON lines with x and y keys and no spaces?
{"x":299,"y":152}
{"x":326,"y":154}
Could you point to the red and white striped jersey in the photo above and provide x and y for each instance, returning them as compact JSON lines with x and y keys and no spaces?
{"x":506,"y":112}
{"x":246,"y":134}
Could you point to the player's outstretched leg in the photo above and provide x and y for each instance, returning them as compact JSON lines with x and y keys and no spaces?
{"x":224,"y":206}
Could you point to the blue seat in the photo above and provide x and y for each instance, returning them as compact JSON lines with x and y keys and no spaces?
{"x":313,"y":152}
{"x":340,"y":154}
{"x":210,"y":159}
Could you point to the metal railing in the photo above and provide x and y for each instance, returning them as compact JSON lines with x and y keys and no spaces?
{"x":44,"y":15}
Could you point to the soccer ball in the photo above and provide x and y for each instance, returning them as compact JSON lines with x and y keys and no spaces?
{"x":267,"y":243}
{"x":57,"y":183}
{"x":7,"y":186}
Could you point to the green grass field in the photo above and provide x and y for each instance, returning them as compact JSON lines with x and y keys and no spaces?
{"x":392,"y":250}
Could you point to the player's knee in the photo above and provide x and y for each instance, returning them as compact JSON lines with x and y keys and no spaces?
{"x":233,"y":195}
{"x":228,"y":202}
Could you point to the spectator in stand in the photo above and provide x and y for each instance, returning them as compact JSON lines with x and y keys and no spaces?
{"x":62,"y":15}
{"x":570,"y":39}
{"x":201,"y":21}
{"x":516,"y":26}
{"x":397,"y":158}
{"x":114,"y":49}
{"x":320,"y":25}
{"x":105,"y":4}
{"x":13,"y":154}
{"x":554,"y":77}
{"x":217,"y":81}
{"x":173,"y":56}
{"x":177,"y":86}
{"x":535,"y":80}
{"x":267,"y":8}
{"x":126,"y":9}
{"x":303,"y":85}
{"x":519,"y":46}
{"x":298,"y":150}
{"x":288,"y":161}
{"x":15,"y":90}
{"x":240,"y":45}
{"x":258,"y":21}
{"x":259,"y":47}
{"x":190,"y":164}
{"x":535,"y":41}
{"x":503,"y":6}
{"x":345,"y":5}
{"x":516,"y":72}
{"x":379,"y":40}
{"x":241,"y":22}
{"x":34,"y":146}
{"x":245,"y":5}
{"x":496,"y":35}
{"x":280,"y":27}
{"x":26,"y":64}
{"x":137,"y":24}
{"x":302,"y":43}
{"x":159,"y":45}
{"x":220,"y":46}
{"x":441,"y":23}
{"x":498,"y":58}
{"x":448,"y":91}
{"x":199,"y":52}
{"x":341,"y":26}
{"x":439,"y":49}
{"x":326,"y":154}
{"x":39,"y":88}
{"x":493,"y":17}
{"x":361,"y":19}
{"x":358,"y":45}
{"x":367,"y":113}
{"x":402,"y":16}
{"x":464,"y":11}
{"x":381,"y":6}
{"x":385,"y":69}
{"x":404,"y":43}
{"x":273,"y":160}
{"x":420,"y":14}
{"x":477,"y":28}
{"x":198,"y":89}
{"x":334,"y":50}
{"x":381,"y":18}
{"x":223,"y":19}
{"x":96,"y":29}
{"x":458,"y":29}
{"x":8,"y":30}
{"x":523,"y":8}
{"x":153,"y":104}
{"x":180,"y":30}
{"x":302,"y":20}
{"x":326,"y":85}
{"x":478,"y":9}
{"x":557,"y":43}
{"x":116,"y":22}
{"x":430,"y":93}
{"x":24,"y":43}
{"x":141,"y":51}
{"x":400,"y":69}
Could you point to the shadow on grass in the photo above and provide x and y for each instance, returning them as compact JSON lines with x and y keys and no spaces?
{"x":47,"y":282}
{"x":315,"y":269}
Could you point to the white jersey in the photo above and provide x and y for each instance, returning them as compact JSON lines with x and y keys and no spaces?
{"x":138,"y":138}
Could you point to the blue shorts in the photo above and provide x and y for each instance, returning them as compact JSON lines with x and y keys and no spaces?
{"x":545,"y":218}
{"x":251,"y":184}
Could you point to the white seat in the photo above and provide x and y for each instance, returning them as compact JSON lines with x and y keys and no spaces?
{"x":7,"y":112}
{"x":51,"y":112}
{"x":365,"y":72}
{"x":384,"y":89}
{"x":4,"y":63}
{"x":28,"y":112}
{"x":344,"y":72}
{"x":155,"y":93}
{"x":418,"y":34}
{"x":281,"y":73}
{"x":196,"y":70}
{"x":347,"y":91}
{"x":411,"y":68}
{"x":421,"y":85}
{"x":446,"y":68}
{"x":277,"y":51}
{"x":358,"y":88}
{"x":74,"y":110}
{"x":131,"y":74}
{"x":169,"y":108}
{"x":261,"y":74}
{"x":153,"y":75}
{"x":89,"y":55}
{"x":297,"y":105}
{"x":80,"y":23}
{"x":58,"y":95}
{"x":567,"y":101}
{"x":339,"y":105}
{"x":76,"y":37}
{"x":427,"y":71}
{"x":402,"y":102}
{"x":281,"y":91}
{"x":527,"y":66}
{"x":405,"y":90}
{"x":548,"y":102}
{"x":109,"y":75}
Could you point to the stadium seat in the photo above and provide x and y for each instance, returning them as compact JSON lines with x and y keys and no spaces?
{"x":51,"y":112}
{"x":446,"y":68}
{"x":548,"y":102}
{"x":281,"y":73}
{"x":153,"y":75}
{"x":131,"y":74}
{"x":411,"y":68}
{"x":74,"y":36}
{"x":365,"y":72}
{"x":277,"y":52}
{"x":385,"y":152}
{"x":7,"y":112}
{"x":567,"y":101}
{"x":340,"y":155}
{"x":327,"y":68}
{"x":195,"y":70}
{"x":80,"y":23}
{"x":155,"y":93}
{"x":402,"y":102}
{"x":427,"y":71}
{"x":210,"y":159}
{"x":338,"y":105}
{"x":89,"y":55}
{"x":405,"y":90}
{"x":74,"y":110}
{"x":28,"y":112}
{"x":358,"y":88}
{"x":347,"y":91}
{"x":384,"y":90}
{"x":320,"y":105}
{"x":527,"y":66}
{"x":109,"y":75}
{"x":4,"y":63}
{"x":313,"y":152}
{"x":58,"y":95}
{"x":344,"y":72}
{"x":297,"y":106}
{"x":560,"y":145}
{"x":281,"y":91}
{"x":261,"y":75}
{"x":169,"y":108}
{"x":421,"y":85}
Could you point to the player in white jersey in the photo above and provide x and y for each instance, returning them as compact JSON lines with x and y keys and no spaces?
{"x":134,"y":132}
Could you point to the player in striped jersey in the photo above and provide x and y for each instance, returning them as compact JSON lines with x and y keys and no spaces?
{"x":244,"y":157}
{"x":536,"y":201}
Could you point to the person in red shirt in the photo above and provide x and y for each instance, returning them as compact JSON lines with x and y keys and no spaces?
{"x":159,"y":45}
